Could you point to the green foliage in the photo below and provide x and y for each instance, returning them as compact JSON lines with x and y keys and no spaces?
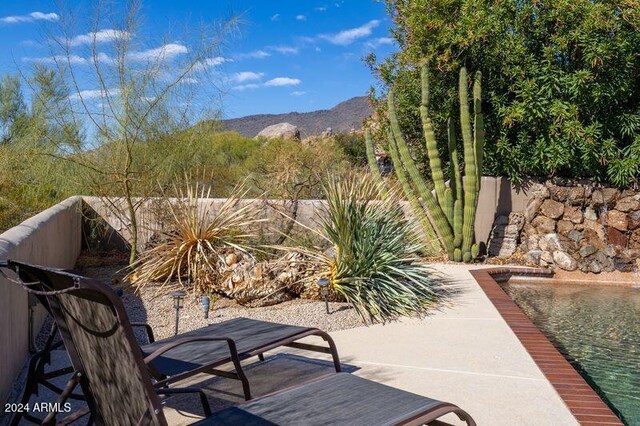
{"x":353,"y":146}
{"x":561,"y":81}
{"x":374,"y":264}
{"x":292,"y":170}
{"x":455,"y":223}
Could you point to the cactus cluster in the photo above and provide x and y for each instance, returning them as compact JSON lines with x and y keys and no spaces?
{"x":452,"y":208}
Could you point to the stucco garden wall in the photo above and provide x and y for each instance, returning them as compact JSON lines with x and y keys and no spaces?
{"x":51,"y":238}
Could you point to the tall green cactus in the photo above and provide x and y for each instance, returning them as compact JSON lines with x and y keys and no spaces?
{"x":432,"y":244}
{"x":470,"y":171}
{"x":452,"y":209}
{"x":437,"y":214}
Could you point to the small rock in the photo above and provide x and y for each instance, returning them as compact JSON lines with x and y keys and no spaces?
{"x":533,"y":206}
{"x":576,"y":195}
{"x":616,"y":237}
{"x":590,"y":213}
{"x":595,"y":267}
{"x":572,"y":214}
{"x":544,"y":225}
{"x":617,"y":219}
{"x":539,"y":190}
{"x":564,"y":261}
{"x":609,"y":195}
{"x":564,"y":227}
{"x":634,"y":239}
{"x":587,"y":251}
{"x":559,"y":193}
{"x":231,"y":259}
{"x":575,"y":235}
{"x":552,"y":209}
{"x":533,"y":257}
{"x":610,"y":251}
{"x":546,"y":257}
{"x":549,"y":242}
{"x":628,"y":203}
{"x":634,"y":220}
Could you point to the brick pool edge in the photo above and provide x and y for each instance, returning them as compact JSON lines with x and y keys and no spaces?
{"x":583,"y":402}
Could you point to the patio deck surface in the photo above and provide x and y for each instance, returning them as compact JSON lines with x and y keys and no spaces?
{"x":465,"y":354}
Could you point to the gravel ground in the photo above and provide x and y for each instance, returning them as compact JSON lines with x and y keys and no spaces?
{"x":158,"y":310}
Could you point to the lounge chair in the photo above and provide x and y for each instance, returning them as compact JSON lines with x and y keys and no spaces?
{"x":199,"y":351}
{"x":118,"y":388}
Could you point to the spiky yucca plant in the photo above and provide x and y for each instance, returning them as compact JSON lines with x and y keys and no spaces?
{"x":195,"y":240}
{"x":374,"y":263}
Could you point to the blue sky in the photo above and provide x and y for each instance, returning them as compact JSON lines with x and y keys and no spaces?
{"x":288,"y":55}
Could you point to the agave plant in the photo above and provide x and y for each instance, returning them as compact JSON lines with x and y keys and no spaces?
{"x":373,"y":263}
{"x":195,"y":240}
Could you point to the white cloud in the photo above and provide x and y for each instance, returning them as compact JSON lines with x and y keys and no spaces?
{"x":189,"y":80}
{"x":285,"y":50}
{"x":210,"y":63}
{"x":274,"y":82}
{"x":301,"y":18}
{"x":162,"y":53}
{"x":241,"y":77}
{"x":73,"y":59}
{"x":320,"y":8}
{"x":246,"y":86}
{"x":101,"y":36}
{"x":94,"y":94}
{"x":377,"y":42}
{"x":256,"y":54}
{"x":349,"y":36}
{"x":31,"y":17}
{"x":298,"y":93}
{"x":282,"y":81}
{"x":275,"y":17}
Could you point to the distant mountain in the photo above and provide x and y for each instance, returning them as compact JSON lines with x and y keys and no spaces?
{"x":343,"y":117}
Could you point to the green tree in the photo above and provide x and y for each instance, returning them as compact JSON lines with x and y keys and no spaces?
{"x":562,"y":81}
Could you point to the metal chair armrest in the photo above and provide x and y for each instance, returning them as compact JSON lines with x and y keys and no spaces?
{"x":150,"y":335}
{"x":155,"y":354}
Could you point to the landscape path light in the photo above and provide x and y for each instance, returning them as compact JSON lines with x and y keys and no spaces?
{"x":323,"y":283}
{"x":178,"y":303}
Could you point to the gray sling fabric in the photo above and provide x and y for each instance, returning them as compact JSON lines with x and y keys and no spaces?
{"x":97,"y":336}
{"x":340,"y":399}
{"x":247,"y":333}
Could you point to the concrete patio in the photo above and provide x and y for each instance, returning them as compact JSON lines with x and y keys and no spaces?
{"x":465,"y":354}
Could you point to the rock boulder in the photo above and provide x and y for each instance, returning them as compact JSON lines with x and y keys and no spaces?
{"x":280,"y":131}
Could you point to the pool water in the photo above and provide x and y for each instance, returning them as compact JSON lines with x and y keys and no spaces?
{"x":597,"y":328}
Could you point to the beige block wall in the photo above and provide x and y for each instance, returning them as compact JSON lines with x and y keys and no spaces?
{"x":497,"y":197}
{"x":51,"y":238}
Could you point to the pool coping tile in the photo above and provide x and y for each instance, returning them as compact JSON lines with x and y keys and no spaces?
{"x":581,"y":399}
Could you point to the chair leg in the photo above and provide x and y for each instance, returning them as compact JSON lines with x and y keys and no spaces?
{"x":334,"y":352}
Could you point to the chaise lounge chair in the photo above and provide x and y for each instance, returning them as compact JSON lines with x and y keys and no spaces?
{"x":118,"y":388}
{"x":199,"y":351}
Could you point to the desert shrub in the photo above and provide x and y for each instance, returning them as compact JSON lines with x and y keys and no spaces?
{"x":352,"y":144}
{"x":292,"y":170}
{"x":373,"y":262}
{"x":561,"y":80}
{"x":193,"y":242}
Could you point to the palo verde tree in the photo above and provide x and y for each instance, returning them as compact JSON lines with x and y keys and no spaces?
{"x":130,"y":95}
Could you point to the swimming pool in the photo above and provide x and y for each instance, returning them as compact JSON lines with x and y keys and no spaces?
{"x":597,"y":328}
